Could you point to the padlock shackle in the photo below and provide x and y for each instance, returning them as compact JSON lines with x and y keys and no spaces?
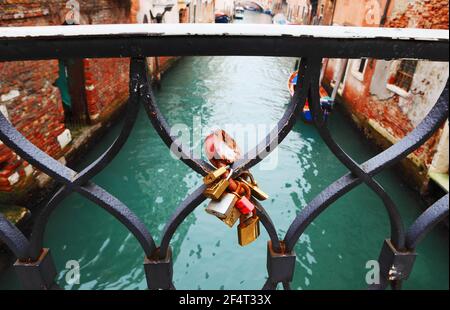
{"x":237,"y":191}
{"x":230,"y":173}
{"x":248,"y":174}
{"x":248,"y":191}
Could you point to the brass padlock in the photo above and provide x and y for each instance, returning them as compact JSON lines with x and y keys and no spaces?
{"x":232,"y":218}
{"x":224,"y":207}
{"x":215,"y":175}
{"x":248,"y":230}
{"x":256,"y":191}
{"x":216,"y":190}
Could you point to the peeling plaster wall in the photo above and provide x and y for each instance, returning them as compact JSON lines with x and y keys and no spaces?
{"x":428,"y":84}
{"x":384,"y":111}
{"x":440,"y":160}
{"x":379,"y":80}
{"x":29,"y":97}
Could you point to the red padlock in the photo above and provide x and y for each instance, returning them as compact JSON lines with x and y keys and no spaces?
{"x":244,"y":205}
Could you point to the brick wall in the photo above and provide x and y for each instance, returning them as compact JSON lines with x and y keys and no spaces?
{"x":106,"y":85}
{"x":370,"y":101}
{"x":28,"y":96}
{"x":429,"y":14}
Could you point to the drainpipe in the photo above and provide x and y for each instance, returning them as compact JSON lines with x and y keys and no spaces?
{"x":332,"y":14}
{"x":324,"y":65}
{"x":340,"y":77}
{"x":159,"y":19}
{"x":385,"y":12}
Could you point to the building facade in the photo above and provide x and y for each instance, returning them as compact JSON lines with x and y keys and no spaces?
{"x":298,"y":12}
{"x":224,"y":6}
{"x":46,"y":99}
{"x":388,"y":99}
{"x":56,"y":104}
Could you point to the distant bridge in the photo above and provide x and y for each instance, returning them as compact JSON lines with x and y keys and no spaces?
{"x":256,"y":3}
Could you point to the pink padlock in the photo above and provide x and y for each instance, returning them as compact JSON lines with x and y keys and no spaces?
{"x":244,"y":205}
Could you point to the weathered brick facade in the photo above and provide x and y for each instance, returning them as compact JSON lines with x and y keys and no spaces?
{"x":386,"y":112}
{"x":33,"y":105}
{"x":429,"y":14}
{"x":29,"y":96}
{"x":106,"y":85}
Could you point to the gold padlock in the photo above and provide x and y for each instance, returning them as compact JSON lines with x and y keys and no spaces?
{"x":232,"y":217}
{"x":216,"y":190}
{"x":215,"y":175}
{"x":248,"y":230}
{"x":256,"y":191}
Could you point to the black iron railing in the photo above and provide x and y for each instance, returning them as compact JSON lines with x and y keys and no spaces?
{"x":34,"y":264}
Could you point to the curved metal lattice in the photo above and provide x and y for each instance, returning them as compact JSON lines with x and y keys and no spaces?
{"x":34,"y":264}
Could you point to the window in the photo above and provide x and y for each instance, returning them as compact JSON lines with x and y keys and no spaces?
{"x":405,"y":73}
{"x":362,"y":65}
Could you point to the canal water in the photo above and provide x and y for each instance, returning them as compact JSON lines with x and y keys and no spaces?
{"x":333,"y":252}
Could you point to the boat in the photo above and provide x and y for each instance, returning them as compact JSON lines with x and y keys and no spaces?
{"x":221,"y":18}
{"x":326,"y":102}
{"x":239,"y":12}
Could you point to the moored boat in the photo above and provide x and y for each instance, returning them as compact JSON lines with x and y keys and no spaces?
{"x":239,"y":12}
{"x":326,"y":102}
{"x":221,"y":18}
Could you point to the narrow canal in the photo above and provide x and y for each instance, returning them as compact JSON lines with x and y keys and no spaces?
{"x":333,"y":252}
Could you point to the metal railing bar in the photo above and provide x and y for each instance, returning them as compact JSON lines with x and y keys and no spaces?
{"x":284,"y":125}
{"x":319,"y":119}
{"x":268,"y":225}
{"x":53,"y":42}
{"x":426,"y":128}
{"x":191,"y":203}
{"x":40,"y":224}
{"x":287,"y":286}
{"x":69,"y":178}
{"x":426,"y":222}
{"x":163,"y":129}
{"x":13,"y":238}
{"x":11,"y":137}
{"x":269,"y":285}
{"x":116,"y":208}
{"x":132,"y":108}
{"x":435,"y":118}
{"x":184,"y":209}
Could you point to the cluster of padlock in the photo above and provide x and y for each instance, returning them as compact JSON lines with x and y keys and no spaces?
{"x":231,"y":199}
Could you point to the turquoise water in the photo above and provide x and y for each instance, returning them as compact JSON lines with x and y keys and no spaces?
{"x":332,"y":253}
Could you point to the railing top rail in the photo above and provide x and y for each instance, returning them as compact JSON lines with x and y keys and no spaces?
{"x":235,"y":30}
{"x":138,"y":40}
